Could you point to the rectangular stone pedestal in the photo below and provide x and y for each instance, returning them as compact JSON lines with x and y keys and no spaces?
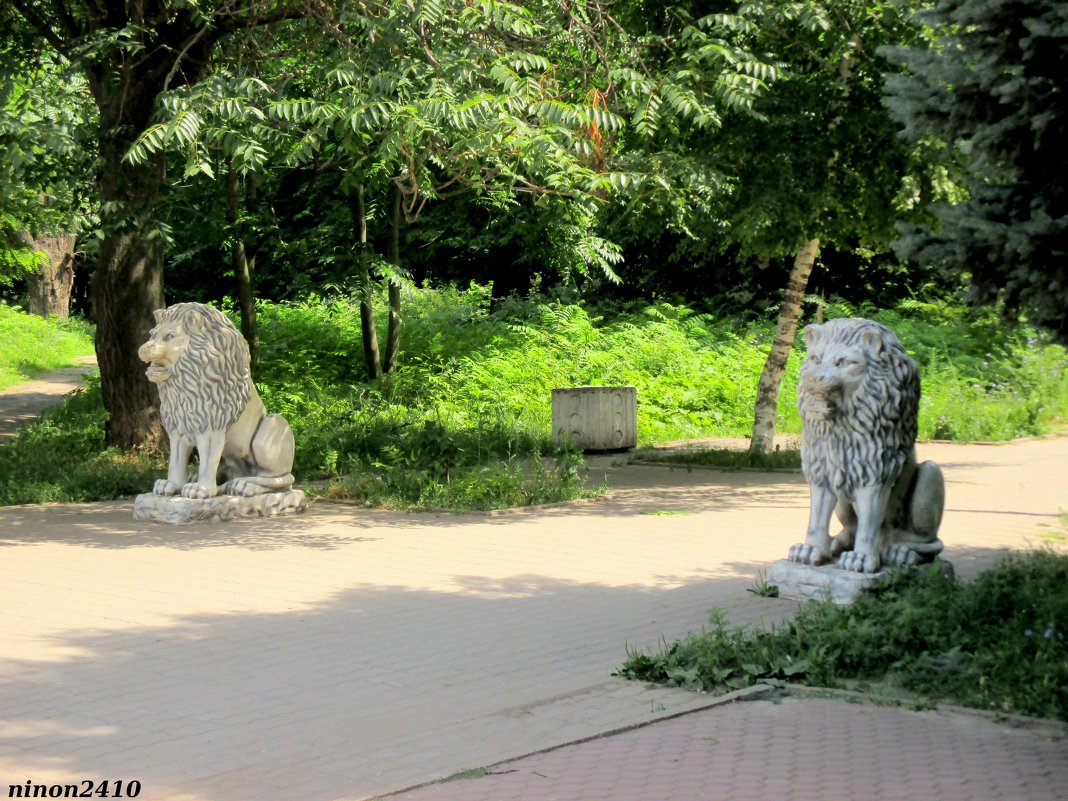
{"x":799,"y":582}
{"x":175,"y":509}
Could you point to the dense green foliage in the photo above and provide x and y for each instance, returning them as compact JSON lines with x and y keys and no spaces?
{"x":989,"y":92}
{"x":33,"y":345}
{"x":995,"y":643}
{"x":475,"y":385}
{"x":686,"y":149}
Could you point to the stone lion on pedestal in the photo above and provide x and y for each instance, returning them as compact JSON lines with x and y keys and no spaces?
{"x":200,"y":363}
{"x":859,"y":396}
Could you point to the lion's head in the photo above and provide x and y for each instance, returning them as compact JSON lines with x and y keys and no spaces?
{"x":200,"y":363}
{"x":858,"y":397}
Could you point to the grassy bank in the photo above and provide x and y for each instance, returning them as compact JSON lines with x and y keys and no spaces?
{"x":470,"y":404}
{"x":33,"y":345}
{"x":996,"y":643}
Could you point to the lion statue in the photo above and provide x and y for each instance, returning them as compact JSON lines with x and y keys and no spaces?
{"x":200,"y":363}
{"x":858,"y":397}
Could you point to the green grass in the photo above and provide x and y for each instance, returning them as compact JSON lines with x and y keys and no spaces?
{"x":982,"y":379}
{"x":33,"y":345}
{"x":997,"y":643}
{"x":725,"y":459}
{"x":499,"y":485}
{"x":471,"y":401}
{"x":62,"y":457}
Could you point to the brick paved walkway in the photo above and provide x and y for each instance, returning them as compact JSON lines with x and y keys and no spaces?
{"x":347,"y":654}
{"x":803,"y":749}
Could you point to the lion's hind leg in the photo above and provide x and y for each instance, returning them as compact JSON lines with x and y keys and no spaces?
{"x":271,"y":450}
{"x":918,"y":541}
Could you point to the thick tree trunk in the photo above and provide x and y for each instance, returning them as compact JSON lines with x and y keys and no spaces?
{"x":127,"y":287}
{"x":242,"y":263}
{"x":371,"y":357}
{"x":393,"y":257}
{"x":128,"y":282}
{"x":50,"y":288}
{"x":771,"y":377}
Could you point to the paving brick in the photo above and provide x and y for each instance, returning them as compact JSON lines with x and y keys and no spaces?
{"x":348,"y":653}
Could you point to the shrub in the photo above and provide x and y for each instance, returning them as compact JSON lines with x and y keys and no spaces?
{"x":473,"y":389}
{"x":996,"y":643}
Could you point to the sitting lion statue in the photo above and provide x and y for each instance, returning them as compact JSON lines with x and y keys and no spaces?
{"x":200,"y":363}
{"x":858,"y":397}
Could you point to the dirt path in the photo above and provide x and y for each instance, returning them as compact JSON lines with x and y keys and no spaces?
{"x":21,"y":404}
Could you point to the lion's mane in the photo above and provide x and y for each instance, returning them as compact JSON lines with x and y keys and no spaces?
{"x":872,"y":434}
{"x":210,"y":382}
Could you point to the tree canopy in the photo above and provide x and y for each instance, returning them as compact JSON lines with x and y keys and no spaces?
{"x":681,"y":147}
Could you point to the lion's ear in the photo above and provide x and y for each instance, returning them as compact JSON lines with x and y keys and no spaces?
{"x":158,"y":314}
{"x":813,"y":334}
{"x":873,"y":343}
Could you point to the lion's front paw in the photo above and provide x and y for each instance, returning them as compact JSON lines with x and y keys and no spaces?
{"x":900,"y":555}
{"x":241,"y":487}
{"x":199,"y":491}
{"x":859,"y":562}
{"x":165,"y":487}
{"x":807,"y":554}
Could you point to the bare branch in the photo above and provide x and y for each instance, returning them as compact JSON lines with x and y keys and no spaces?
{"x":181,"y":54}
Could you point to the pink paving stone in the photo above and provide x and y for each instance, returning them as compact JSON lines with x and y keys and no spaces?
{"x":350,"y":653}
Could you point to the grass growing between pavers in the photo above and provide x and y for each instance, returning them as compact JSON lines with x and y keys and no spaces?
{"x":996,"y":643}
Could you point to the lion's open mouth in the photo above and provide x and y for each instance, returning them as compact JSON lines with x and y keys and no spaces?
{"x":157,"y":372}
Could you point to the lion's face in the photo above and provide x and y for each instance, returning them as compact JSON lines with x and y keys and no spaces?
{"x":830,"y":376}
{"x":165,"y":347}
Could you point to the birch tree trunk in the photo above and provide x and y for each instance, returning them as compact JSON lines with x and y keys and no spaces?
{"x":771,"y":377}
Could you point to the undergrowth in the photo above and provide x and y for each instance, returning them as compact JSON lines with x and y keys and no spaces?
{"x":995,"y":643}
{"x":33,"y":345}
{"x":62,"y":457}
{"x":471,"y":399}
{"x":495,"y":486}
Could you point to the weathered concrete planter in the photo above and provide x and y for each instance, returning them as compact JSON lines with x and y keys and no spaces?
{"x":596,"y":418}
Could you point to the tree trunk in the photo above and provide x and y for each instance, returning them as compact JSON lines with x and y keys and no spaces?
{"x":127,"y":287}
{"x":771,"y":377}
{"x":128,"y":282}
{"x":243,"y":264}
{"x":393,"y":257}
{"x":51,"y":287}
{"x":371,"y":357}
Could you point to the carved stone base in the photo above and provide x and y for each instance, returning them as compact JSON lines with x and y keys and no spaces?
{"x":173,"y":509}
{"x":798,"y":582}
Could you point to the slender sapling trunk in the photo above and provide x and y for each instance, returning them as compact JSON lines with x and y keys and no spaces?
{"x":771,"y":376}
{"x":393,"y":257}
{"x":371,"y":357}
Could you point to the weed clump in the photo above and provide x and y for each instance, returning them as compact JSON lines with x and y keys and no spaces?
{"x":996,"y":643}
